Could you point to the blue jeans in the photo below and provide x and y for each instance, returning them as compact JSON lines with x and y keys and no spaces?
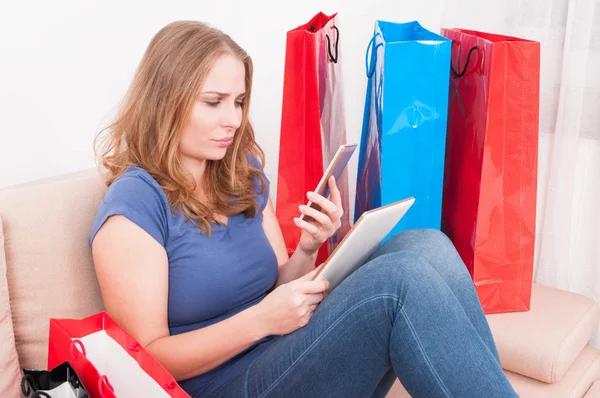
{"x":410,"y":312}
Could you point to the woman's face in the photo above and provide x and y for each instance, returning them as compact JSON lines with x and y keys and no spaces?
{"x":216,"y":113}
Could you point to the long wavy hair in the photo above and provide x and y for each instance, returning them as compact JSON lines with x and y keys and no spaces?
{"x":147,"y":130}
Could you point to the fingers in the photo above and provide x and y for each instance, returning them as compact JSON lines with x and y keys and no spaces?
{"x":308,"y":227}
{"x":336,"y":196}
{"x":315,"y":214}
{"x":310,"y":287}
{"x":314,"y":299}
{"x":308,"y":313}
{"x":326,"y":205}
{"x":333,"y":207}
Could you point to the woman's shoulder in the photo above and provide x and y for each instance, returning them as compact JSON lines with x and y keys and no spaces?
{"x":135,"y":185}
{"x":136,"y":195}
{"x":134,"y":176}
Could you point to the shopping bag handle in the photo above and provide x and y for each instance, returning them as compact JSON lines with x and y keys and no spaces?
{"x":103,"y":381}
{"x":461,"y":74}
{"x":27,"y":385}
{"x":135,"y":347}
{"x":337,"y":40}
{"x":370,"y":66}
{"x":79,"y":343}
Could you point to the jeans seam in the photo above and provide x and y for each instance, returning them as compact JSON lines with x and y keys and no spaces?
{"x":246,"y":381}
{"x":340,"y":319}
{"x":422,"y":349}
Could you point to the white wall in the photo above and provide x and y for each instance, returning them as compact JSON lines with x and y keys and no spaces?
{"x":64,"y":66}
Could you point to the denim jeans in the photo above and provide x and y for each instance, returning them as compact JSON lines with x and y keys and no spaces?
{"x":410,"y":312}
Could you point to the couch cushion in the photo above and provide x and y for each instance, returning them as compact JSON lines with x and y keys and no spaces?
{"x":10,"y":371}
{"x":49,"y":267}
{"x":397,"y":391}
{"x":543,"y":343}
{"x":574,"y":384}
{"x":594,"y":391}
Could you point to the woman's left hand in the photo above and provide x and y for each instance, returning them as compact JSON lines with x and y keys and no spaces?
{"x":320,"y":225}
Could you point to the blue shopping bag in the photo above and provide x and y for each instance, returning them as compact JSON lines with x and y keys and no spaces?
{"x":404,"y":125}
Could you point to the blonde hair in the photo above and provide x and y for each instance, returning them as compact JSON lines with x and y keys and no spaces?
{"x":156,"y":109}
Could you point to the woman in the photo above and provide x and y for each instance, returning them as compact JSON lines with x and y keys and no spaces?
{"x":191,"y":260}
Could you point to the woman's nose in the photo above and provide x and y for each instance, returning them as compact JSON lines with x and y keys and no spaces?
{"x":232,"y":116}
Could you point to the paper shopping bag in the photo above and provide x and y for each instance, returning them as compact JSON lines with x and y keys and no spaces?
{"x":490,"y":181}
{"x":60,"y":382}
{"x":404,"y":125}
{"x":312,"y":123}
{"x":108,"y":360}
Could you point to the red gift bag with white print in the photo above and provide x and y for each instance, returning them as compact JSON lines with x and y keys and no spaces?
{"x":312,"y":124}
{"x":109,"y":362}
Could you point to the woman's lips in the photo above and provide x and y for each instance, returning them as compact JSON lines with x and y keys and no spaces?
{"x":225,"y":142}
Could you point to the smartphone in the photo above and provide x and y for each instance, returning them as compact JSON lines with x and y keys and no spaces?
{"x":335,"y":168}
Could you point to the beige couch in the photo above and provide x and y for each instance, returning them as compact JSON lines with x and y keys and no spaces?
{"x":46,"y":271}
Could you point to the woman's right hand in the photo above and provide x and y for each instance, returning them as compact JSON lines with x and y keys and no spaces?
{"x":291,"y":305}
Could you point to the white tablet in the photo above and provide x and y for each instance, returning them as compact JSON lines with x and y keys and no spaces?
{"x":361,"y":241}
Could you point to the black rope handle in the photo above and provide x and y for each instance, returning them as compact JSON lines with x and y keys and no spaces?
{"x":461,"y":74}
{"x":27,"y":385}
{"x":337,"y":40}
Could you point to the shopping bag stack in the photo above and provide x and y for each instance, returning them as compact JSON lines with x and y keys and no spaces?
{"x":451,"y":120}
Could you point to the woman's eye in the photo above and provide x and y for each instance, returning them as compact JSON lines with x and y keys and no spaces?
{"x":213,"y":104}
{"x":239,"y":103}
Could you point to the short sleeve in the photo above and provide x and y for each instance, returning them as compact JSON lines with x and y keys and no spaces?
{"x":261,"y":198}
{"x":140,"y":200}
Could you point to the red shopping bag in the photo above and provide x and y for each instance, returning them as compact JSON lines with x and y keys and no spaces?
{"x":108,"y":360}
{"x":312,"y":123}
{"x":490,"y":181}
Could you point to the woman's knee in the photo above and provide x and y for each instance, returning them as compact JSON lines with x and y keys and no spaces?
{"x":423,"y":240}
{"x":433,"y":245}
{"x":402,"y":276}
{"x":391,"y":268}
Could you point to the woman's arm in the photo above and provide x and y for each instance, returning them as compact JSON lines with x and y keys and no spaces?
{"x":289,"y":268}
{"x":132,"y":269}
{"x":313,"y":234}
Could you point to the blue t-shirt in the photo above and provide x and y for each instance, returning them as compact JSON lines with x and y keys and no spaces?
{"x":210,"y":278}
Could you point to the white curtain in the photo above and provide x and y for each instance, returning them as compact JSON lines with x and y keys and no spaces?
{"x":569,"y":243}
{"x":568,"y":234}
